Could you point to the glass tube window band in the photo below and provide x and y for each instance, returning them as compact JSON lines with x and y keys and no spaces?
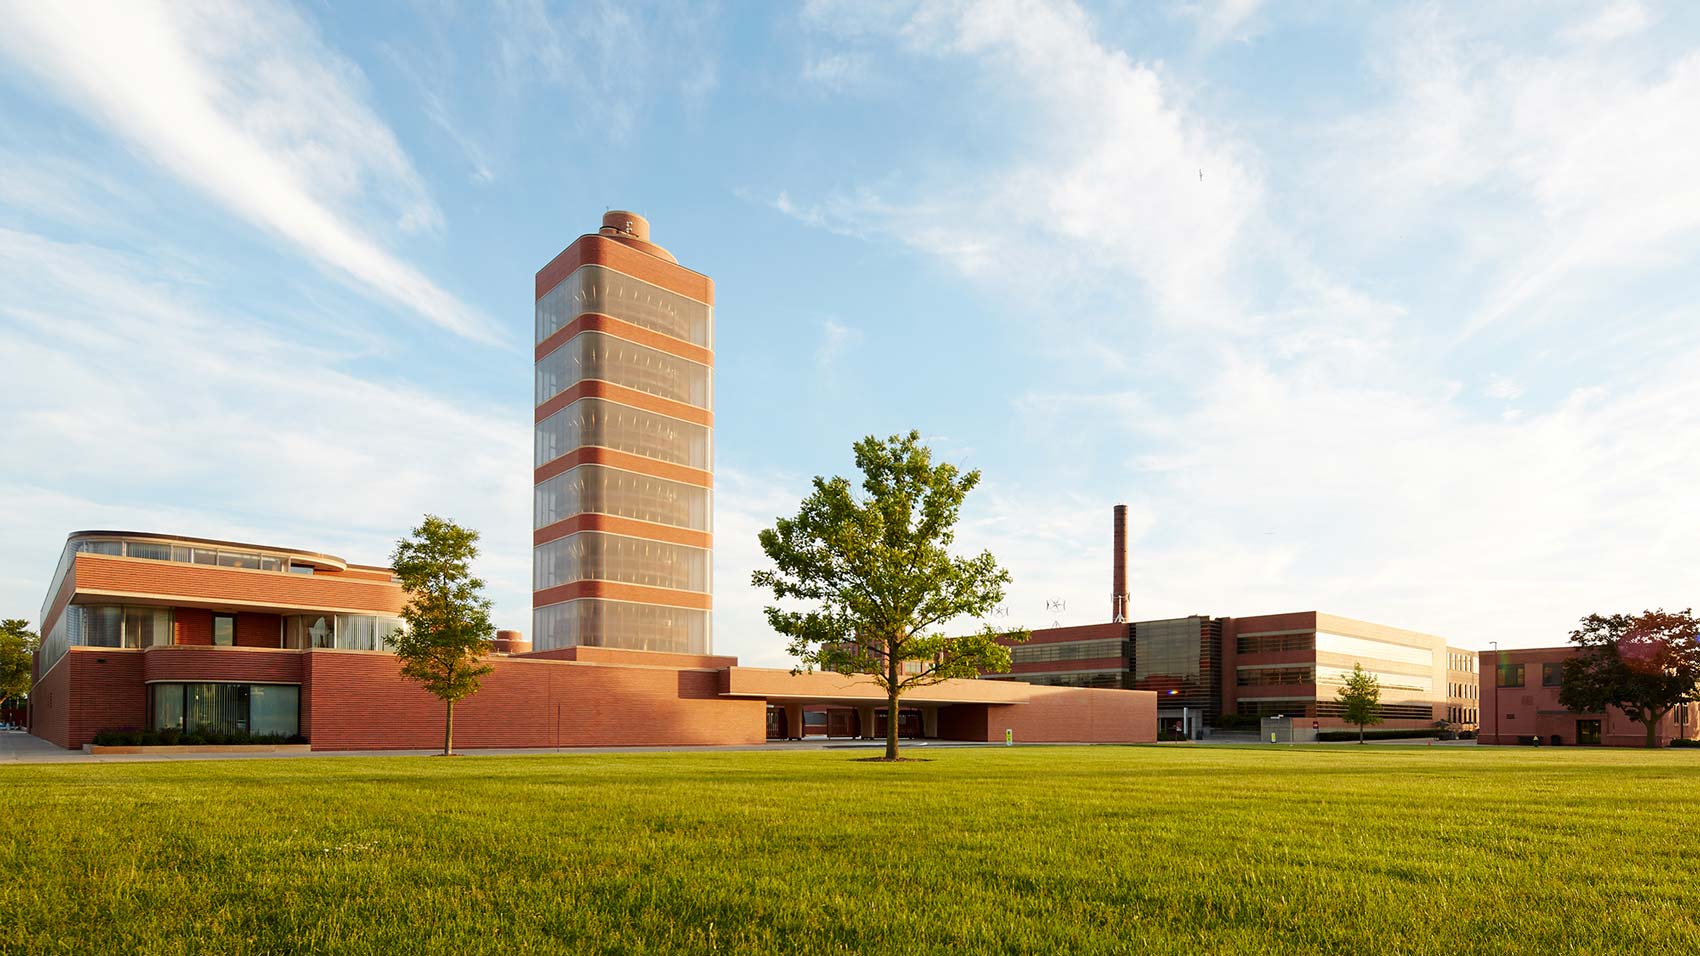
{"x":596,"y":421}
{"x":599,"y":489}
{"x":596,"y":556}
{"x":598,"y":356}
{"x":595,"y":288}
{"x":597,"y":622}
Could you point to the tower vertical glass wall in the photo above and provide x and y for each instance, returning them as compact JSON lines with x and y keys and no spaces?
{"x":637,"y":524}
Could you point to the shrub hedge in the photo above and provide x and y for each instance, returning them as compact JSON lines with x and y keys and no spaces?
{"x":173,"y":737}
{"x":1334,"y":735}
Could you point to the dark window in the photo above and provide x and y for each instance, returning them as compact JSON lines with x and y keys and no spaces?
{"x":1552,"y":675}
{"x":1271,"y":643}
{"x":224,"y":629}
{"x":1510,"y":675}
{"x":1333,"y":708}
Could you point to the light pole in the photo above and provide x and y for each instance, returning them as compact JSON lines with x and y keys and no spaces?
{"x":1495,"y":646}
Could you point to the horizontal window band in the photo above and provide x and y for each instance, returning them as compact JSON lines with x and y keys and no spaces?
{"x":628,"y":527}
{"x":629,"y":593}
{"x":595,"y":388}
{"x":595,"y":250}
{"x":625,"y":461}
{"x":190,"y":602}
{"x":621,"y":329}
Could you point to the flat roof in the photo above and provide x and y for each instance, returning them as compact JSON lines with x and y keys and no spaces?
{"x":328,"y":560}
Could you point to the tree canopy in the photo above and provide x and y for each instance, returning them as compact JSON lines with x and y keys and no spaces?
{"x":447,"y":617}
{"x":1360,"y":699}
{"x":1644,"y":665}
{"x":18,"y":645}
{"x":872,"y":567}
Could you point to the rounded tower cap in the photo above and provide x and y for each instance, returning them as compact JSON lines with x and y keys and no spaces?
{"x":621,"y":222}
{"x":632,"y":230}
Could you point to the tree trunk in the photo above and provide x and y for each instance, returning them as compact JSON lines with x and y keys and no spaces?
{"x":1653,"y":731}
{"x":891,"y":668}
{"x":449,"y":731}
{"x":1360,"y":735}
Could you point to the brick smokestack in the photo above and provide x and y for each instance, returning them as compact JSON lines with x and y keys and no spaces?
{"x":1118,"y":572}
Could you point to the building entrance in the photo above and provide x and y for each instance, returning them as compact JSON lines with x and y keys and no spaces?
{"x":909,"y":723}
{"x":1588,"y":732}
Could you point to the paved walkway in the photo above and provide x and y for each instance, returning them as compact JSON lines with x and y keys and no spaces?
{"x":17,"y":746}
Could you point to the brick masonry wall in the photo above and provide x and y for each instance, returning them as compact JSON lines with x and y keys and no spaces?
{"x":601,"y":250}
{"x":193,"y":625}
{"x":105,"y":692}
{"x":259,"y":630}
{"x":828,"y":686}
{"x":254,"y":665}
{"x":359,"y":701}
{"x":50,"y":704}
{"x":1078,"y":714}
{"x":233,"y":587}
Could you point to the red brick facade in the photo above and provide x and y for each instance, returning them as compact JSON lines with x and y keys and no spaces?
{"x":582,"y":697}
{"x":1530,"y":708}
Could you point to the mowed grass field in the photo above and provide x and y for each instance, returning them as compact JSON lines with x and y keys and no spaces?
{"x":1336,"y":849}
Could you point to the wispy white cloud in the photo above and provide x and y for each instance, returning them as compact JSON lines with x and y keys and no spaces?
{"x":124,"y":387}
{"x":1503,"y":388}
{"x":1558,"y":169}
{"x":1222,"y":20}
{"x":1311,"y":447}
{"x":1112,"y":174}
{"x":250,"y":107}
{"x":1621,"y":19}
{"x":836,"y":71}
{"x":614,"y":59}
{"x":835,"y":339}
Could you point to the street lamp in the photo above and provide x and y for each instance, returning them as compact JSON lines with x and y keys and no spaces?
{"x":1495,"y":646}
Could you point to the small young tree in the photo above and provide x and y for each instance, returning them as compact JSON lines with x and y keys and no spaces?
{"x":18,"y":645}
{"x":877,"y":570}
{"x":1360,"y":698}
{"x":1644,"y":665}
{"x":447,"y":617}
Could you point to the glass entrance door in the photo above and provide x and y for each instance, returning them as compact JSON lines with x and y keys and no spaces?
{"x":1588,"y":732}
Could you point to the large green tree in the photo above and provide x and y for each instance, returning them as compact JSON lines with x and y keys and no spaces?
{"x":1360,"y":699}
{"x":1644,"y":665}
{"x":874,"y":572}
{"x":18,"y":645}
{"x":448,"y":628}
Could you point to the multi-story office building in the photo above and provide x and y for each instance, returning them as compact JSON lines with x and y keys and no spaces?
{"x":156,"y":631}
{"x":1178,"y":659}
{"x":624,"y":422}
{"x":1294,"y":665}
{"x":1520,"y":705}
{"x":1288,"y":665}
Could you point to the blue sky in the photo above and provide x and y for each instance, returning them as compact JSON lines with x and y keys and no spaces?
{"x":1382,"y":309}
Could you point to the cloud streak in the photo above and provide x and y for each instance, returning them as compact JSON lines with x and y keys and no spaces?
{"x":124,"y":389}
{"x":249,"y":107}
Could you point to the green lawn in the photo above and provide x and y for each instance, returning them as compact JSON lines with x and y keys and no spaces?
{"x":1340,"y":849}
